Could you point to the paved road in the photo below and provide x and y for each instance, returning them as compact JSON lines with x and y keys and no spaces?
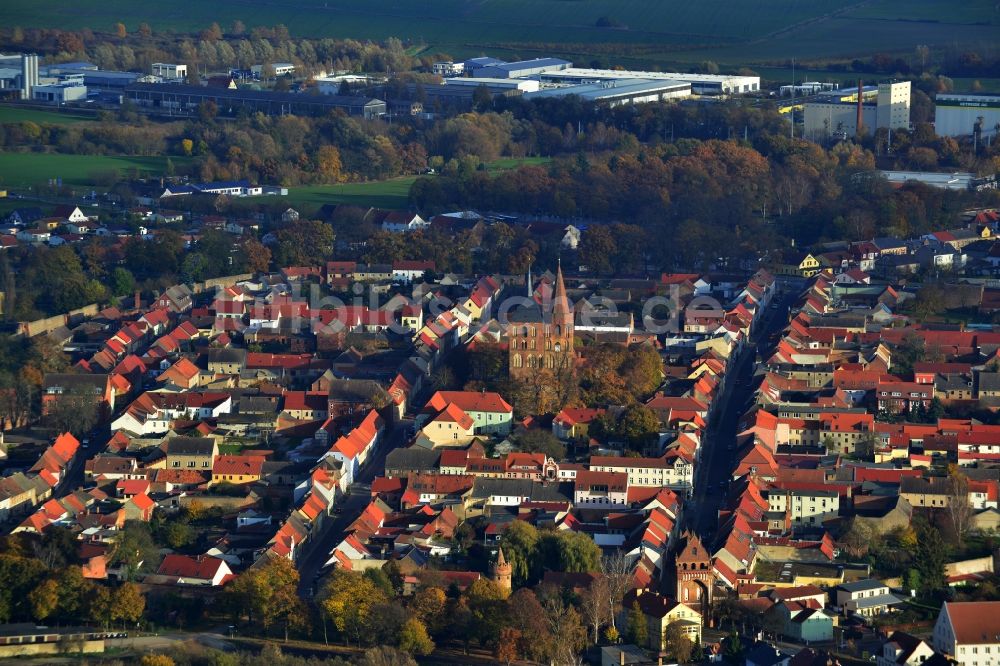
{"x":717,"y":459}
{"x":317,"y":552}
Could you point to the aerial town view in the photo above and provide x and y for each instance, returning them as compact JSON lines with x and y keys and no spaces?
{"x":454,"y":332}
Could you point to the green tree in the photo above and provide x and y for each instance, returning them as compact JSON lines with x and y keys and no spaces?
{"x":637,"y":631}
{"x":520,"y":543}
{"x":677,"y":644}
{"x":283,"y":606}
{"x":639,"y":425}
{"x":304,"y":243}
{"x":569,"y":551}
{"x":177,"y":534}
{"x":128,"y":603}
{"x":122,"y":282}
{"x":44,"y":599}
{"x":346,"y":600}
{"x":413,"y":638}
{"x":194,"y":268}
{"x":597,"y":247}
{"x":538,"y":440}
{"x":733,"y":648}
{"x":931,"y":556}
{"x":858,"y":538}
{"x":135,"y":550}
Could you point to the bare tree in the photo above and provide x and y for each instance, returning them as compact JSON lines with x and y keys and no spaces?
{"x":617,"y":570}
{"x":959,"y":507}
{"x":75,"y":411}
{"x":594,"y":605}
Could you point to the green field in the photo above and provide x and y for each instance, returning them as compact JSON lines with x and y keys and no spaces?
{"x":13,"y":114}
{"x":33,"y":169}
{"x":392,"y":193}
{"x":655,"y":32}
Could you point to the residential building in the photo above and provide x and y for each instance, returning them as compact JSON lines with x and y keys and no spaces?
{"x":490,"y":413}
{"x":660,"y":612}
{"x":804,"y":507}
{"x":197,"y":571}
{"x":237,"y":469}
{"x":866,"y":598}
{"x":602,"y":490}
{"x":969,"y":632}
{"x":190,"y":452}
{"x":903,"y":649}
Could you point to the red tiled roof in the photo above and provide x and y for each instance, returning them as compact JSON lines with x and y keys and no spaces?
{"x":470,"y":401}
{"x":243,"y":465}
{"x":184,"y":566}
{"x":972,"y":620}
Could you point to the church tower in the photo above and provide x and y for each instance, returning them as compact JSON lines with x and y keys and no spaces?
{"x":695,"y":576}
{"x":540,"y":338}
{"x":503,"y":573}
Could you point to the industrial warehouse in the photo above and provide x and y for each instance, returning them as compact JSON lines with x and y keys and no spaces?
{"x":618,"y":93}
{"x":700,"y":84}
{"x":967,"y":114}
{"x":841,"y":114}
{"x":177,"y":98}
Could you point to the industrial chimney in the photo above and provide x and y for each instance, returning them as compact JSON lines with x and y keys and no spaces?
{"x":861,"y":111}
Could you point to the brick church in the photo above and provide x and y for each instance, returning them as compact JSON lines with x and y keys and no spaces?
{"x":541,"y":338}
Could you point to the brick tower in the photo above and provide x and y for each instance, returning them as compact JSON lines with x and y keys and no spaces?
{"x":503,"y":573}
{"x":695,"y":577}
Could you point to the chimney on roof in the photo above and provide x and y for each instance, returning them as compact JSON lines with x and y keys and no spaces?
{"x":621,"y":656}
{"x":138,"y":300}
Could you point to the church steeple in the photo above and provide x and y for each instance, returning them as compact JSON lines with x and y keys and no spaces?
{"x":561,"y":312}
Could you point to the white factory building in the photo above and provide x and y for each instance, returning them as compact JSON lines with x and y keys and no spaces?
{"x":59,"y":93}
{"x":448,"y":68}
{"x":495,"y":85}
{"x":619,"y":93}
{"x":521,"y":69}
{"x":19,"y":71}
{"x":958,"y":114}
{"x":280,"y":69}
{"x":835,"y":114}
{"x":169,"y":71}
{"x":701,"y":84}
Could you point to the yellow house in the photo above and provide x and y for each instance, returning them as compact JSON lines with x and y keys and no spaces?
{"x":412,"y":318}
{"x":237,"y":469}
{"x":190,"y":453}
{"x":660,"y":612}
{"x":452,"y":427}
{"x":798,"y":264}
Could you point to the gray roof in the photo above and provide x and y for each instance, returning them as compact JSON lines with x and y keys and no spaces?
{"x":877,"y":600}
{"x":361,"y":390}
{"x":258,"y":404}
{"x":227,"y":355}
{"x":484,"y":488}
{"x":862,"y":585}
{"x":531,"y":64}
{"x":989,"y":381}
{"x":69,"y":381}
{"x":413,"y":458}
{"x":189,"y":446}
